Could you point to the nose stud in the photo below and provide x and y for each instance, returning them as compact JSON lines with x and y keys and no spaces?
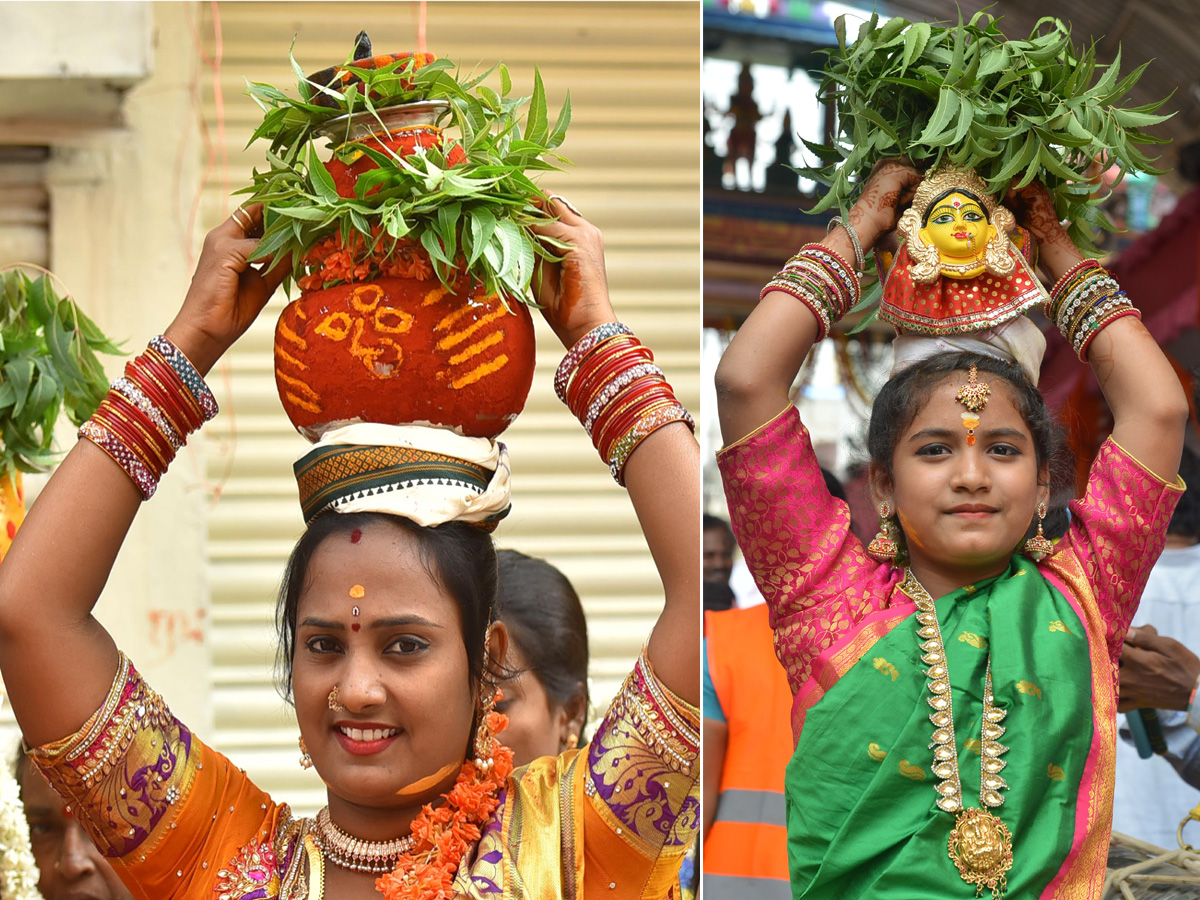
{"x":333,"y":700}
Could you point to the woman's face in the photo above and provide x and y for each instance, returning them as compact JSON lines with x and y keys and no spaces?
{"x":537,"y":726}
{"x":957,"y":226}
{"x":965,"y":508}
{"x":373,"y":622}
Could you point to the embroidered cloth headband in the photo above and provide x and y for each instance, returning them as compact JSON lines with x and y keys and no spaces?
{"x":1017,"y":341}
{"x":428,"y":475}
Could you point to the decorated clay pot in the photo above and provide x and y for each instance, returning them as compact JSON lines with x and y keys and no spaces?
{"x":403,"y":351}
{"x":378,"y":339}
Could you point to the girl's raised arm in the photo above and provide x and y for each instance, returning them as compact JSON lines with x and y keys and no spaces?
{"x":761,"y":362}
{"x":1148,"y":403}
{"x":58,"y":662}
{"x":662,"y":475}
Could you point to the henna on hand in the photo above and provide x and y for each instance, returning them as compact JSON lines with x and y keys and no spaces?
{"x":874,"y":214}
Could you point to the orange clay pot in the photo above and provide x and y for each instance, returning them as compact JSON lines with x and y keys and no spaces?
{"x":403,"y":351}
{"x":399,"y":348}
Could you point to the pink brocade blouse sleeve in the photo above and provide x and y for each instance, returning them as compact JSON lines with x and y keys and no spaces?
{"x":1117,"y":533}
{"x":814,"y":573}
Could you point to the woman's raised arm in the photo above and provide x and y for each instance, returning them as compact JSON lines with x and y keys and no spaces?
{"x":1148,"y":403}
{"x":662,"y":475}
{"x":758,"y":368}
{"x":58,"y":662}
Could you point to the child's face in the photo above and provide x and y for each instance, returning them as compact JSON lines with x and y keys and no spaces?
{"x":965,"y":508}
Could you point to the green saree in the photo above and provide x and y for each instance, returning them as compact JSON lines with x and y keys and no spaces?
{"x":862,"y":819}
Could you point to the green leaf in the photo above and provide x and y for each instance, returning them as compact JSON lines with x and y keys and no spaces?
{"x":915,"y":40}
{"x":947,"y":107}
{"x":505,"y":81}
{"x":20,"y":373}
{"x":839,"y":30}
{"x":320,"y":178}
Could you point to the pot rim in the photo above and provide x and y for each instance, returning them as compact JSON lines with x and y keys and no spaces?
{"x":362,"y":124}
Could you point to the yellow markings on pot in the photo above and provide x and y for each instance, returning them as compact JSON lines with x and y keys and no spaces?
{"x":478,"y":347}
{"x":303,"y":404}
{"x":288,"y":335}
{"x":435,"y":295}
{"x":298,"y":384}
{"x":288,"y":358}
{"x":480,"y":371}
{"x":452,"y":340}
{"x":401,"y":322}
{"x":335,"y":326}
{"x":372,"y":293}
{"x":452,"y":317}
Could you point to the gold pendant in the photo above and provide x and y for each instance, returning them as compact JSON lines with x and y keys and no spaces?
{"x":981,"y":848}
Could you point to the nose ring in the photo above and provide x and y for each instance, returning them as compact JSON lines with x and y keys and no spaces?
{"x":333,"y":700}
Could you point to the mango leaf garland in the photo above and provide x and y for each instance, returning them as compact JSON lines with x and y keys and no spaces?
{"x":48,"y":367}
{"x":477,"y":213}
{"x":1014,"y":111}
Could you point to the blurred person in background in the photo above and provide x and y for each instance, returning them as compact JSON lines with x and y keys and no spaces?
{"x":547,"y":700}
{"x":718,"y":550}
{"x":69,"y":865}
{"x":1159,"y":671}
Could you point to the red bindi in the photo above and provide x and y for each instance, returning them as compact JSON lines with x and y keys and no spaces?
{"x":355,"y":627}
{"x":356,"y":535}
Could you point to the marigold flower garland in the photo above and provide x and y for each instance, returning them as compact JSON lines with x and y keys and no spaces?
{"x":444,"y":834}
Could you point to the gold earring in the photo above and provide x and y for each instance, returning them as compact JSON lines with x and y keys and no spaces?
{"x":485,"y":741}
{"x":883,"y":545}
{"x":572,"y":741}
{"x":305,"y":760}
{"x":1039,"y":546}
{"x":333,"y":700}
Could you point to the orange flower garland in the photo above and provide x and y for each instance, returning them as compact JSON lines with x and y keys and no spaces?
{"x":445,"y":834}
{"x":333,"y":261}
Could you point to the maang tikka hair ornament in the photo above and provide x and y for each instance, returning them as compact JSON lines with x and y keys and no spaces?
{"x":973,"y":395}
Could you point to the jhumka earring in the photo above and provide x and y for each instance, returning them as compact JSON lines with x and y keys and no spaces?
{"x":333,"y":700}
{"x":883,"y":546}
{"x":1039,"y":547}
{"x":572,"y":741}
{"x":485,"y":741}
{"x":973,"y":395}
{"x":305,"y":760}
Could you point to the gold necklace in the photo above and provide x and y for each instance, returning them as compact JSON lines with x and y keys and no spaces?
{"x":980,"y":844}
{"x":356,"y":854}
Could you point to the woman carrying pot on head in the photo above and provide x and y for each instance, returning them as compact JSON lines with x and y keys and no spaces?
{"x":956,"y":692}
{"x":393,"y":648}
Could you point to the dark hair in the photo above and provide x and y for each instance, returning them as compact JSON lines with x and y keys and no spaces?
{"x":833,"y":484}
{"x":545,"y":621}
{"x":944,"y":194}
{"x":905,"y":395}
{"x":718,"y":596}
{"x":1186,"y":518}
{"x":712,"y":523}
{"x":458,"y":556}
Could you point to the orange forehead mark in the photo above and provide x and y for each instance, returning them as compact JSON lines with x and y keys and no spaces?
{"x":357,"y":592}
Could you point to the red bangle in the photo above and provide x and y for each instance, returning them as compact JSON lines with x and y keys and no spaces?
{"x":627,"y":400}
{"x":598,"y":370}
{"x":580,"y":401}
{"x":126,"y":411}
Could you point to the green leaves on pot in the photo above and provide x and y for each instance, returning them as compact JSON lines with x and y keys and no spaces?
{"x":478,"y":212}
{"x":1014,"y":111}
{"x":48,"y":367}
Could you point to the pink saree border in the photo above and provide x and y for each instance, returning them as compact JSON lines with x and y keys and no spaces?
{"x":836,"y":660}
{"x":1081,"y":876}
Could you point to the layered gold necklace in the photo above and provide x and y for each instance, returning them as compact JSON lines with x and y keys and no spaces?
{"x":356,"y":854}
{"x":980,"y":845}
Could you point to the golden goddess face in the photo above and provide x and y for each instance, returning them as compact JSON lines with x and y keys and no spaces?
{"x":958,"y":227}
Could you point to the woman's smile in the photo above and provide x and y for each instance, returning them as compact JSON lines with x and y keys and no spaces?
{"x":365,"y":738}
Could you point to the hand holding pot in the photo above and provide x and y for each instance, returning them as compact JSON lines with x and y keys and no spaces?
{"x":573,"y":293}
{"x":227,"y":292}
{"x":890,"y":184}
{"x":1034,"y":209}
